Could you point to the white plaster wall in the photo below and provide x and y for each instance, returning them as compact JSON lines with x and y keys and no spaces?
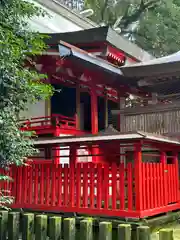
{"x":49,"y":24}
{"x":34,"y":110}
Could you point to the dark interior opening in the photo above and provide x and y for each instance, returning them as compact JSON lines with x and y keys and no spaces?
{"x":86,"y":113}
{"x":169,"y":157}
{"x":101,"y":113}
{"x":63,"y":101}
{"x":111,"y":118}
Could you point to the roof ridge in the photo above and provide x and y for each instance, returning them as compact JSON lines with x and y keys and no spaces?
{"x":59,"y":8}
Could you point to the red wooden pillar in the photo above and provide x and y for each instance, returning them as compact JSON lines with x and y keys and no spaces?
{"x":177,"y":187}
{"x":163,"y":160}
{"x":94,"y":111}
{"x":175,"y":158}
{"x":72,"y":174}
{"x":78,"y":106}
{"x":138,"y":177}
{"x":94,"y":120}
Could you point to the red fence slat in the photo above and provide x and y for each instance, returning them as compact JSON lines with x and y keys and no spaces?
{"x":161,"y":186}
{"x":19,"y":188}
{"x":151,"y":185}
{"x":99,"y":186}
{"x":114,"y":185}
{"x":85,"y":186}
{"x":53,"y":185}
{"x":121,"y":185}
{"x":59,"y":186}
{"x":71,"y":187}
{"x":155,"y":182}
{"x":30,"y":183}
{"x":106,"y":189}
{"x":130,"y":186}
{"x":25,"y":183}
{"x":66,"y":185}
{"x":78,"y":185}
{"x":47,"y":184}
{"x":158,"y":182}
{"x":93,"y":188}
{"x":42,"y":178}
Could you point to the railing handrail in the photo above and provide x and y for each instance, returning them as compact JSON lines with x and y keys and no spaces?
{"x":48,"y":117}
{"x":59,"y":119}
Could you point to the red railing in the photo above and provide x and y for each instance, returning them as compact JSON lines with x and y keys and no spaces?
{"x":160,"y":187}
{"x":84,"y":188}
{"x":49,"y":121}
{"x":108,"y":189}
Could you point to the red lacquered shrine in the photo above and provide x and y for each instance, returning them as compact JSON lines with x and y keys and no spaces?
{"x":136,"y":176}
{"x":85,"y":165}
{"x":84,"y":69}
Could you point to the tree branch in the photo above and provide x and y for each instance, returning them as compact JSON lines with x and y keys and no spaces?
{"x":135,"y":33}
{"x":126,"y":20}
{"x":103,"y":10}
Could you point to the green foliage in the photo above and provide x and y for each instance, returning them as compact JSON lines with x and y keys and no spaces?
{"x":127,"y":11}
{"x":18,"y":84}
{"x":152,"y":24}
{"x":159,"y":30}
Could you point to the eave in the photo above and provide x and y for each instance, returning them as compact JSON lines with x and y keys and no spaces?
{"x":101,"y":35}
{"x":121,"y":137}
{"x":67,"y":50}
{"x":160,"y":75}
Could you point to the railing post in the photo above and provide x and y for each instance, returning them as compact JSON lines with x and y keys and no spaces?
{"x":175,"y":158}
{"x":57,"y":151}
{"x":138,"y":177}
{"x":163,"y":160}
{"x":176,"y":163}
{"x":94,"y":120}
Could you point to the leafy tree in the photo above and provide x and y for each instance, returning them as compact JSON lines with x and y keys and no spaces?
{"x":18,"y":84}
{"x":127,"y":11}
{"x":152,"y":24}
{"x":159,"y":30}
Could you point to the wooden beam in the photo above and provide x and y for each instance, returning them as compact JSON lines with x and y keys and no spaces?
{"x":111,"y":93}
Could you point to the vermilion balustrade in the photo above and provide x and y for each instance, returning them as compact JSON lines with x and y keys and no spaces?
{"x":48,"y":121}
{"x":108,"y":189}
